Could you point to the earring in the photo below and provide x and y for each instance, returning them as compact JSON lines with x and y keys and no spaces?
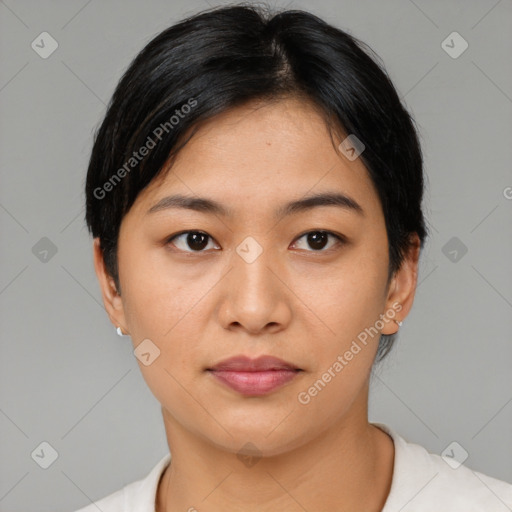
{"x":120,"y":332}
{"x":399,"y":323}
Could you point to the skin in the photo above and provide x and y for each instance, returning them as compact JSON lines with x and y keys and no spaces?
{"x":297,"y":302}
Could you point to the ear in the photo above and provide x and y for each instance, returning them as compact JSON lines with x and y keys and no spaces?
{"x":403,"y":287}
{"x":111,"y":298}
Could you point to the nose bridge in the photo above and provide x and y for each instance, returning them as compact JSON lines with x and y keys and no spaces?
{"x":252,"y":262}
{"x":254,"y":298}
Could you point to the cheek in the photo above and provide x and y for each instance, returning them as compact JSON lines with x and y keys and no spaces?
{"x":330,"y":393}
{"x":343,"y":358}
{"x":168,"y":315}
{"x":347,"y":299}
{"x":164,"y":311}
{"x":168,"y":308}
{"x":157,"y":295}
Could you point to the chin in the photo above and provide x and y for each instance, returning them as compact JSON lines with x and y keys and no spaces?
{"x":264,"y":438}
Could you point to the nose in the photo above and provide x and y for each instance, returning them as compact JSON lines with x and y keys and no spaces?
{"x":254,"y":297}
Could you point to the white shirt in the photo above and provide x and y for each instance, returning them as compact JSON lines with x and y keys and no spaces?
{"x":422,"y":482}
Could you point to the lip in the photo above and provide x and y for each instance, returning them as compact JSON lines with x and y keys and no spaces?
{"x":254,"y":377}
{"x":246,"y":364}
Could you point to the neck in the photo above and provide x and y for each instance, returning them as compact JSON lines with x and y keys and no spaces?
{"x":348,"y":467}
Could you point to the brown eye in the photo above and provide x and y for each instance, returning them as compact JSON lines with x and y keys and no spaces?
{"x":194,"y":240}
{"x":318,"y":240}
{"x":197,"y":241}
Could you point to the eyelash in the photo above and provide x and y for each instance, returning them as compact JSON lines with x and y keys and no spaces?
{"x":340,"y":239}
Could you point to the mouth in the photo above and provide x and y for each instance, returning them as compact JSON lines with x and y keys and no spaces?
{"x":254,"y":377}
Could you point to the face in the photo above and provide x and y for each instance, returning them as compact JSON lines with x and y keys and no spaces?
{"x":253,"y":278}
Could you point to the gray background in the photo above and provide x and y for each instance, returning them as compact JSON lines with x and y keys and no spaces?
{"x":69,"y":380}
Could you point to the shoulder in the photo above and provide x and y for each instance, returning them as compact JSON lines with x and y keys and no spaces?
{"x":424,"y":481}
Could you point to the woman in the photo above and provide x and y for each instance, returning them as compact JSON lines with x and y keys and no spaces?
{"x":254,"y":193}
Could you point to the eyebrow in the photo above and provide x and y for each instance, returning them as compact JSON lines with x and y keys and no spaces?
{"x":206,"y":205}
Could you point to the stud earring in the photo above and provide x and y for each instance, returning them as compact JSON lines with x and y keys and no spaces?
{"x":120,"y":332}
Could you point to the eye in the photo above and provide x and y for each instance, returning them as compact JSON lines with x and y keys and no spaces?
{"x":196,"y":240}
{"x":318,"y":239}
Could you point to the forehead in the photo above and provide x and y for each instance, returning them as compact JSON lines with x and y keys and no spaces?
{"x":262,"y":154}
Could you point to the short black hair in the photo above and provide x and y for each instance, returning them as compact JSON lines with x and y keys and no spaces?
{"x":223,"y":57}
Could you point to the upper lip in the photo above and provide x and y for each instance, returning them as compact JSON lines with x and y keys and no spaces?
{"x":260,"y":364}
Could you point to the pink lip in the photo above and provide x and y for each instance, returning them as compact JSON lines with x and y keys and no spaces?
{"x":254,"y":376}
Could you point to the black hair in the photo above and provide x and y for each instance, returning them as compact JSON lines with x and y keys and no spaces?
{"x":223,"y":57}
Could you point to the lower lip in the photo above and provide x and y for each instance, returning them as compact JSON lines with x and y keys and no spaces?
{"x":255,"y":383}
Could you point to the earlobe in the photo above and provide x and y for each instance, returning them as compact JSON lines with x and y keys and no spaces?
{"x":111,"y":298}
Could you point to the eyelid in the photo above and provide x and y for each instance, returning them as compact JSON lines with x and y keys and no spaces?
{"x":341,"y":239}
{"x":184,"y":232}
